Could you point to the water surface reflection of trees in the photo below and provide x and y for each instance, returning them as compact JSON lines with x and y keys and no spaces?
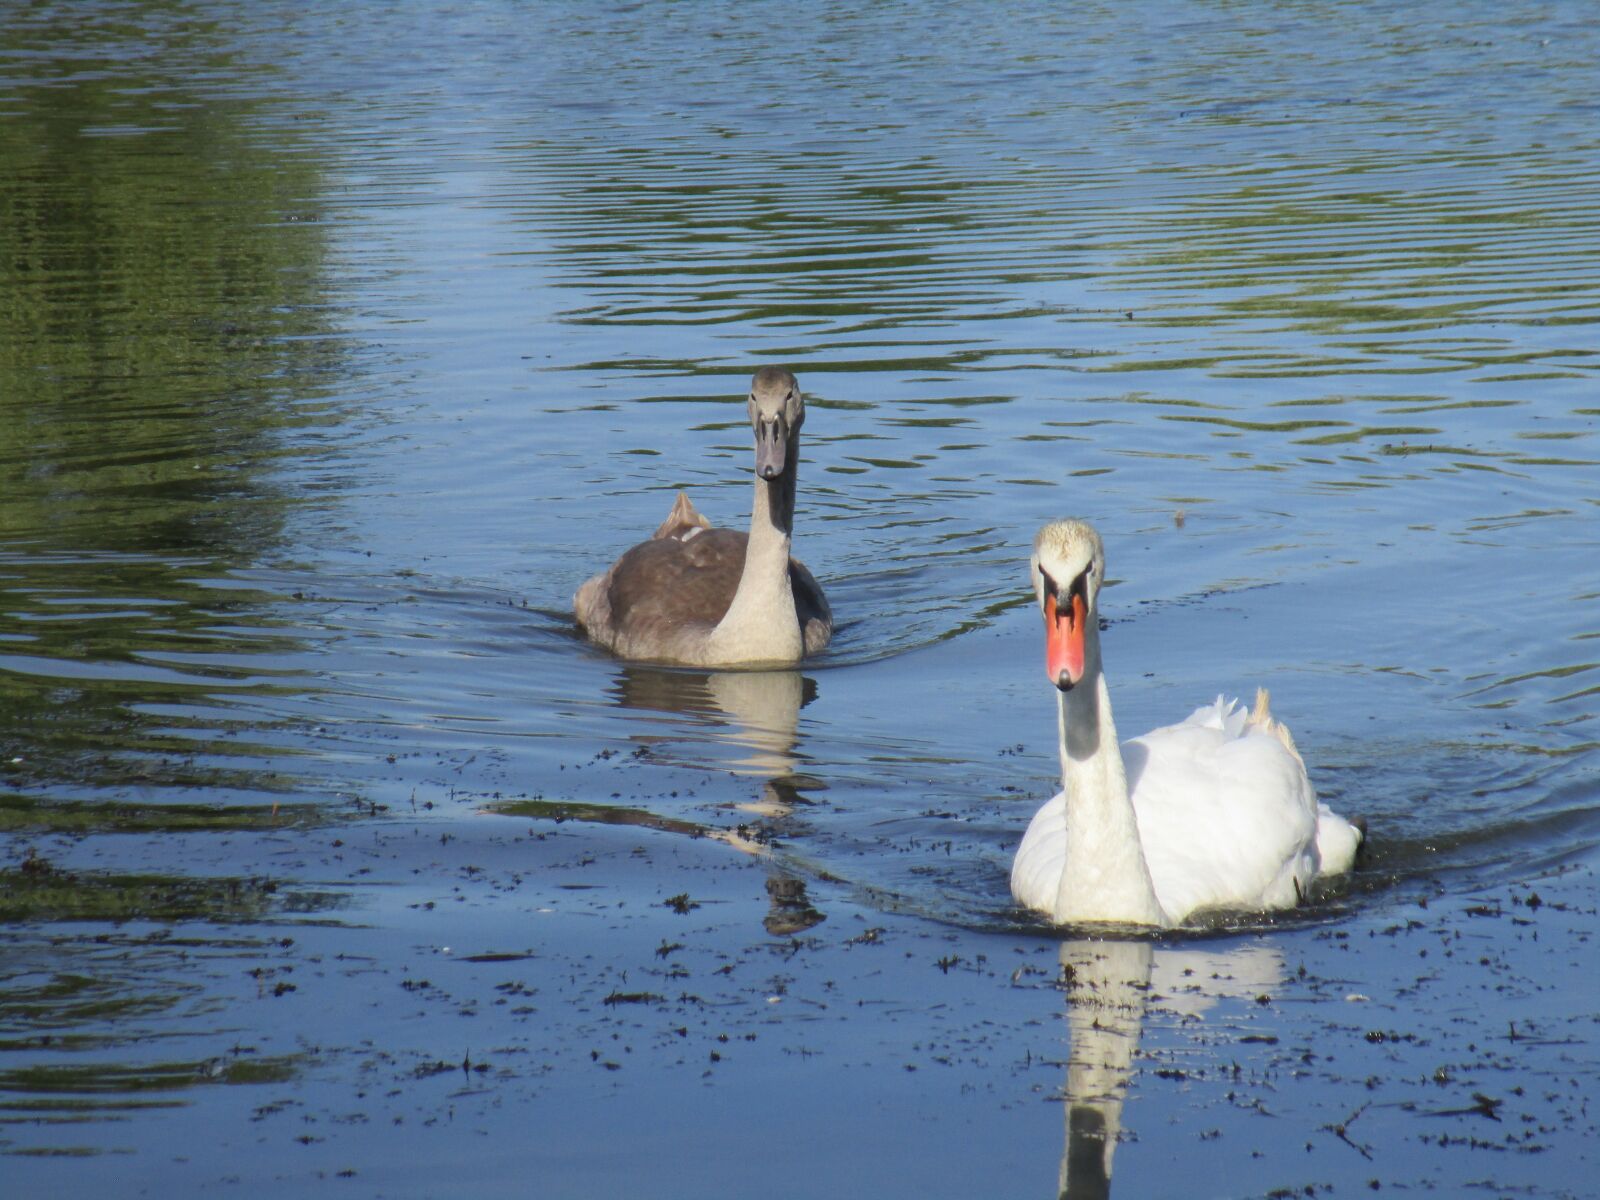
{"x":162,"y":336}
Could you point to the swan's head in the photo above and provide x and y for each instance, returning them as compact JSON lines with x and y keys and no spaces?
{"x":776,"y":412}
{"x":1067,"y":566}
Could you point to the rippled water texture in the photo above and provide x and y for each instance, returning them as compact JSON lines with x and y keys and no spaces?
{"x":339,"y":344}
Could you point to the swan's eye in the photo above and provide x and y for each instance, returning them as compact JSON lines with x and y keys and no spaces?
{"x":1080,"y":585}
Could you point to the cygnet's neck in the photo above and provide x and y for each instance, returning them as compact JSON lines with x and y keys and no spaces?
{"x":761,"y":625}
{"x":1104,"y":876}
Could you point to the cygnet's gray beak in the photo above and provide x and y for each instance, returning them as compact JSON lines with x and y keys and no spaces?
{"x":772,"y":446}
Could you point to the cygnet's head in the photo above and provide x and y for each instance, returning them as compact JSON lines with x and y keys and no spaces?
{"x":776,"y":411}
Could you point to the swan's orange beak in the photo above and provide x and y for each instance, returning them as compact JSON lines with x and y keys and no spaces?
{"x":1064,"y":640}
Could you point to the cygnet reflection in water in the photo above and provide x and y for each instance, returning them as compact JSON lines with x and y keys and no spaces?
{"x":758,"y":712}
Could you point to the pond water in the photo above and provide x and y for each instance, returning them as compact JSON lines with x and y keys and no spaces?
{"x":338,"y":346}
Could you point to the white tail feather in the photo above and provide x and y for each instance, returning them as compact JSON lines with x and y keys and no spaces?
{"x":1261,"y":717}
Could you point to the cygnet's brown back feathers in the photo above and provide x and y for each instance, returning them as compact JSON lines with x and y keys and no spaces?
{"x":667,"y":578}
{"x":685,"y":577}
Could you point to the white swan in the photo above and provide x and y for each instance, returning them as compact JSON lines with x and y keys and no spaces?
{"x":1215,"y":812}
{"x":716,"y":597}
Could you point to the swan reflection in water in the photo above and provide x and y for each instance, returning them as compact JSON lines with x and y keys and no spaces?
{"x":757,"y":715}
{"x":1109,"y":985}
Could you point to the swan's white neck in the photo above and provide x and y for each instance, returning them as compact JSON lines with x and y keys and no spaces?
{"x":1104,"y":877}
{"x":761,"y":625}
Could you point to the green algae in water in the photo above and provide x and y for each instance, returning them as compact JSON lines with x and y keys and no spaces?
{"x":39,"y":891}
